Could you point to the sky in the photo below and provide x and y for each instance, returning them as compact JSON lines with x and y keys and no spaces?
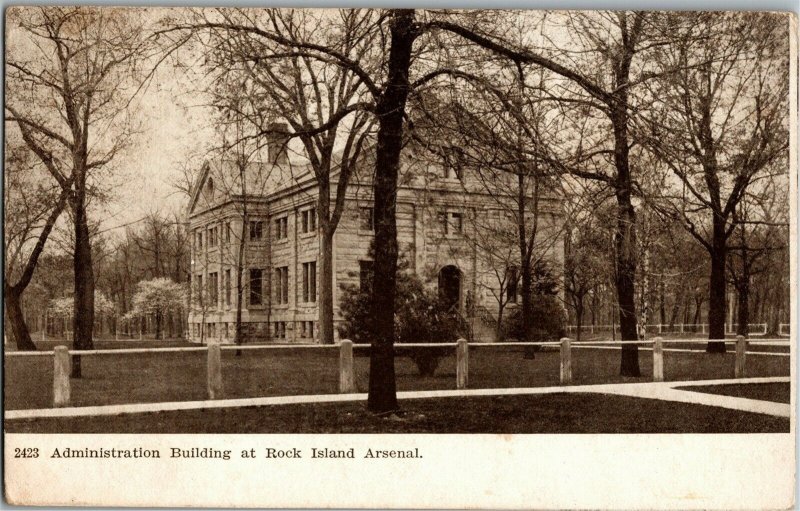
{"x":175,"y":132}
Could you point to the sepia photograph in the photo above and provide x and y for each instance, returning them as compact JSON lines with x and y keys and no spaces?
{"x":275,"y":221}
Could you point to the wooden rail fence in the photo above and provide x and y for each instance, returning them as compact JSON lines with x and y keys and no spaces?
{"x":347,"y":385}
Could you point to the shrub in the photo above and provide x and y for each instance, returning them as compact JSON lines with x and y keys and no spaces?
{"x":548,"y":317}
{"x":547,"y":320}
{"x":419,"y":317}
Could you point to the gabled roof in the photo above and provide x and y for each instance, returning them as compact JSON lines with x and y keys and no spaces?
{"x":219,"y":180}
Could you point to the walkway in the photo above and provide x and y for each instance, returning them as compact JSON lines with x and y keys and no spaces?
{"x":667,"y":391}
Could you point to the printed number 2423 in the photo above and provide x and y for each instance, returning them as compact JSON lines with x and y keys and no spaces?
{"x":27,"y":452}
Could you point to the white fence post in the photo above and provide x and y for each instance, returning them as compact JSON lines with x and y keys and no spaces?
{"x":741,"y":349}
{"x":658,"y":359}
{"x":462,"y":363}
{"x":347,"y":384}
{"x":214,"y":371}
{"x":566,"y":361}
{"x":61,"y":370}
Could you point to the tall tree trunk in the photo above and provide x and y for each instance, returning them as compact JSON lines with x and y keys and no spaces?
{"x":159,"y":325}
{"x":717,"y":287}
{"x":83,"y":319}
{"x":390,"y":110}
{"x":578,"y":318}
{"x":16,"y":318}
{"x":625,"y":235}
{"x":326,"y":287}
{"x":326,"y":230}
{"x":743,"y":313}
{"x":500,"y":310}
{"x":525,"y":259}
{"x":240,"y":260}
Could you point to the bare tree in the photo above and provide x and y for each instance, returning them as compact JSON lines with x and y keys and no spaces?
{"x":31,"y":211}
{"x":719,"y":124}
{"x":68,"y":84}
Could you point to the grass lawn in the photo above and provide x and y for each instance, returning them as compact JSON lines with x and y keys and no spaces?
{"x":154,"y":377}
{"x":777,"y":392}
{"x":552,"y":413}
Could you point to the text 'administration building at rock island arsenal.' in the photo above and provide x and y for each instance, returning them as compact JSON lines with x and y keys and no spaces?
{"x":456,"y":231}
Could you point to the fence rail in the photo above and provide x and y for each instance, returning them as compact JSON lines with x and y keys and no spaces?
{"x":62,"y":363}
{"x":662,"y":328}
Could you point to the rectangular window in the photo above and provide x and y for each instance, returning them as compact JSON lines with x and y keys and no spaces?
{"x":212,"y":288}
{"x":281,"y":228}
{"x":227,"y":232}
{"x":279,"y":330}
{"x":456,"y":223}
{"x":255,"y":286}
{"x":310,"y":281}
{"x":198,"y":240}
{"x":451,"y":222}
{"x":308,"y":220}
{"x":199,"y":289}
{"x":212,"y":330}
{"x":256,"y":230}
{"x":282,"y":285}
{"x":366,"y":270}
{"x":228,"y":288}
{"x":511,"y":284}
{"x":307,"y":329}
{"x":365,"y":219}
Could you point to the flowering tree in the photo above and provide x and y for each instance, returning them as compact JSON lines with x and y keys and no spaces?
{"x":158,"y":297}
{"x":65,"y":307}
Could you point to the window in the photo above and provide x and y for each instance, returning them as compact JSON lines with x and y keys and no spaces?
{"x":282,"y":285}
{"x":256,"y":230}
{"x":451,"y":222}
{"x":310,"y":281}
{"x":227,"y":232}
{"x":456,"y":224}
{"x":198,"y":240}
{"x":452,"y":172}
{"x":228,"y":288}
{"x":199,"y":288}
{"x":279,"y":329}
{"x":453,"y":163}
{"x":365,"y":219}
{"x":212,"y":288}
{"x":255,"y":286}
{"x":307,"y":329}
{"x":281,"y":228}
{"x":308,"y":219}
{"x":212,"y":330}
{"x":366,"y":271}
{"x":512,"y":279}
{"x":212,"y":236}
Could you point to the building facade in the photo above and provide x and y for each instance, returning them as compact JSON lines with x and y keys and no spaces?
{"x":451,"y":231}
